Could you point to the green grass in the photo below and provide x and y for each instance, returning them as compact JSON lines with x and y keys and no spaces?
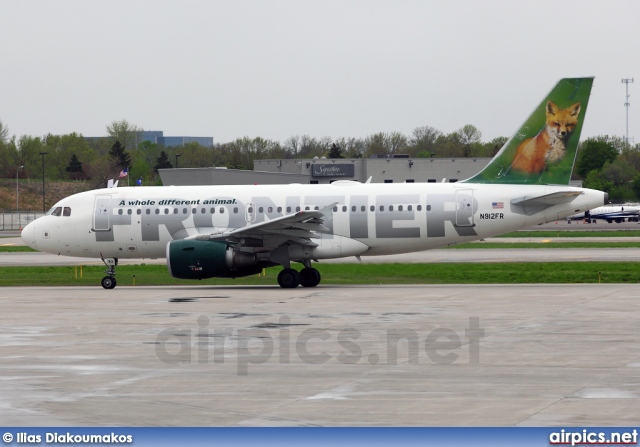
{"x":16,"y":249}
{"x":445,"y":273}
{"x":574,"y":233}
{"x":559,"y":245}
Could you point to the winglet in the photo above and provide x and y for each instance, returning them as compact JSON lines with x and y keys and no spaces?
{"x":543,"y":150}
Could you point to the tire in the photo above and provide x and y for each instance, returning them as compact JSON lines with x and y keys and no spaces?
{"x":309,"y":277}
{"x":289,"y":278}
{"x":108,"y":282}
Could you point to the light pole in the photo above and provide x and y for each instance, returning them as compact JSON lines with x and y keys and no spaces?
{"x":44,"y":208}
{"x":177,"y":155}
{"x":18,"y":195}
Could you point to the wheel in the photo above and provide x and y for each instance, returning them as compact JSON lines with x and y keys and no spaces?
{"x":289,"y":278}
{"x":108,"y":282}
{"x":309,"y":277}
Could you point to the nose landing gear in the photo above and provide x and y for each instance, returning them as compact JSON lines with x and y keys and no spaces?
{"x":109,"y":281}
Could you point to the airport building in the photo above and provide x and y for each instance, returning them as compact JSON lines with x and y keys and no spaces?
{"x":322,"y":170}
{"x":158,"y":137}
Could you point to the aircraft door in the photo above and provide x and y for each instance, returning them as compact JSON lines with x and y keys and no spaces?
{"x":250,"y":213}
{"x":101,"y":221}
{"x":465,"y":208}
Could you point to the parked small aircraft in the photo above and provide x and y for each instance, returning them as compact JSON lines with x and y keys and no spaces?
{"x":610,"y":213}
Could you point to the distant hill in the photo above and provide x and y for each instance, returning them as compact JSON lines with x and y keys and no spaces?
{"x":31,"y":193}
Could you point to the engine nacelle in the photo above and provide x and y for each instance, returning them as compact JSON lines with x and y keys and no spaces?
{"x":188,"y":259}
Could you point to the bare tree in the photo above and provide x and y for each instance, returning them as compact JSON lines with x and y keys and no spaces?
{"x":424,"y":140}
{"x":4,"y":133}
{"x":125,"y":132}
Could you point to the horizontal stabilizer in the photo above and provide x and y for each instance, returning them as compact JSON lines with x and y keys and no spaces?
{"x":547,"y":200}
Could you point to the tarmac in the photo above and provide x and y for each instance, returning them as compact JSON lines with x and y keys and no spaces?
{"x":454,"y":355}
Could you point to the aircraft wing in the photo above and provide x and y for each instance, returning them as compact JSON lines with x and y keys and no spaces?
{"x":299,"y":228}
{"x":532,"y":205}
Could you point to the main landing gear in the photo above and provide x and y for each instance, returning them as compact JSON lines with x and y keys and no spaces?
{"x":289,"y":278}
{"x":109,"y":281}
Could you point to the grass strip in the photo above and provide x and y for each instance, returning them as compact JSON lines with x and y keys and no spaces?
{"x":559,"y":245}
{"x":443,"y":273}
{"x":574,"y":233}
{"x":16,"y":249}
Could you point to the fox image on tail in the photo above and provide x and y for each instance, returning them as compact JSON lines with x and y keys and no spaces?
{"x":549,"y":146}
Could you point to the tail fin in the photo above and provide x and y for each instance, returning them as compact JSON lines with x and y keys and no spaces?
{"x":543,"y":150}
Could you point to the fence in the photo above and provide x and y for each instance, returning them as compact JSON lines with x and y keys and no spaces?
{"x":17,"y":220}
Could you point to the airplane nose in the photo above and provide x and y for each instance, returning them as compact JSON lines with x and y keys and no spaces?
{"x":28,"y":235}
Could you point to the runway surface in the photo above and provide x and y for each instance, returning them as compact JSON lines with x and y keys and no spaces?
{"x":509,"y":355}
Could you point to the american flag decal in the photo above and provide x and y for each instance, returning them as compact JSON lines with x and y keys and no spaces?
{"x":497,"y":205}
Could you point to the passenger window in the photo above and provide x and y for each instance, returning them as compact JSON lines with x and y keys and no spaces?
{"x":344,"y":208}
{"x":221,"y":210}
{"x":203,"y":210}
{"x":235,"y":210}
{"x":306,"y":208}
{"x":381,"y":207}
{"x":409,"y":208}
{"x":400,"y":208}
{"x":129,"y":212}
{"x":148,"y":211}
{"x":428,"y":207}
{"x":66,"y":211}
{"x":390,"y":207}
{"x":213,"y":210}
{"x":297,"y":209}
{"x":184,"y":211}
{"x":279,"y":209}
{"x":363,"y":208}
{"x":419,"y":207}
{"x":335,"y":208}
{"x":175,"y":211}
{"x":193,"y":210}
{"x":353,"y":209}
{"x":120,"y":211}
{"x":139,"y":211}
{"x":158,"y":211}
{"x":260,"y":210}
{"x":166,"y":210}
{"x":372,"y":208}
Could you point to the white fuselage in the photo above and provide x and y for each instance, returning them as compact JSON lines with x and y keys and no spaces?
{"x":378,"y":219}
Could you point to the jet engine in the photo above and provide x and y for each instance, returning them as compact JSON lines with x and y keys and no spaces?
{"x":189,"y":259}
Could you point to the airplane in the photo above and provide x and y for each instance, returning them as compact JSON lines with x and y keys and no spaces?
{"x":234,"y":231}
{"x":609,"y":213}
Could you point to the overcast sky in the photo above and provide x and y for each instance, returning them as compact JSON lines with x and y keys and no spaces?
{"x":324,"y":68}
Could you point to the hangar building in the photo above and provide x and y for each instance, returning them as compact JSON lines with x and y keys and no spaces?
{"x":321,"y":170}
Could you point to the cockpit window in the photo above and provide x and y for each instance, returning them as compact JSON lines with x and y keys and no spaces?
{"x":57,"y":211}
{"x":66,"y":211}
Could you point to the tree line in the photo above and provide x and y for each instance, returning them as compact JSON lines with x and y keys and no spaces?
{"x":605,"y":163}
